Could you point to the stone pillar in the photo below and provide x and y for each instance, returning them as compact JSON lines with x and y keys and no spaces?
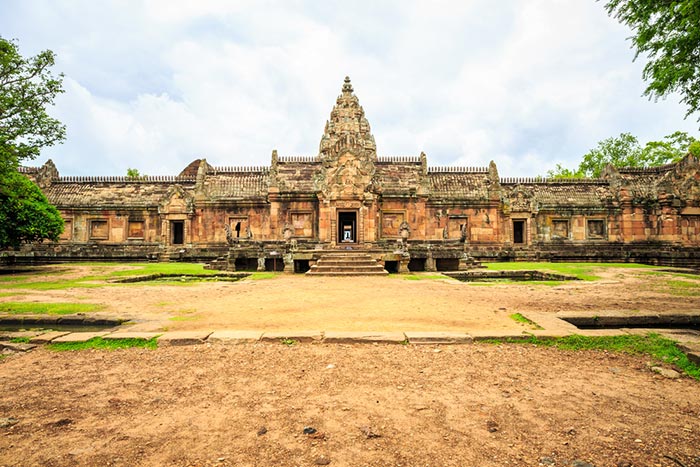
{"x":288,"y":263}
{"x":230,"y":263}
{"x":403,"y":264}
{"x":261,"y":263}
{"x":430,"y":263}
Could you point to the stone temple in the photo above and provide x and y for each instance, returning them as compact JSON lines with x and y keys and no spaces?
{"x":398,"y":212}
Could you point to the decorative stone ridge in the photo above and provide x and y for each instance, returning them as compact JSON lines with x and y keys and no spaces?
{"x":404,"y":213}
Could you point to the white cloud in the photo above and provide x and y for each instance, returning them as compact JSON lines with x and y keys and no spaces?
{"x":156,"y":84}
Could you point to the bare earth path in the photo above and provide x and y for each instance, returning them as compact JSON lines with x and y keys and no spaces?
{"x":467,"y":405}
{"x":372,"y":405}
{"x":297,"y":302}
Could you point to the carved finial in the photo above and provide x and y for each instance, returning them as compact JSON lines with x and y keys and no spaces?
{"x":347,"y":87}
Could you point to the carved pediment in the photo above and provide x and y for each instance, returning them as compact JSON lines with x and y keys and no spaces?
{"x":347,"y":176}
{"x":683,"y":181}
{"x":519,"y":200}
{"x":176,"y":201}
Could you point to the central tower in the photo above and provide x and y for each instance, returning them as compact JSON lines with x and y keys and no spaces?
{"x":346,"y":179}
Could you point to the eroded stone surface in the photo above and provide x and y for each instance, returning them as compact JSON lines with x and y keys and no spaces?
{"x":234,"y":337}
{"x":184,"y":337}
{"x":364,"y":337}
{"x":78,"y":337}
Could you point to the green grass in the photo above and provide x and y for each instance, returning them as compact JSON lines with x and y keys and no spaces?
{"x":526,"y":321}
{"x":679,"y":287}
{"x":419,"y":277}
{"x":11,"y":278}
{"x":23,"y":308}
{"x":144,"y":269}
{"x":20,"y":340}
{"x":99,"y":274}
{"x":263,"y":275}
{"x":662,"y":349}
{"x":103,"y":344}
{"x":581,"y":270}
{"x":11,"y":294}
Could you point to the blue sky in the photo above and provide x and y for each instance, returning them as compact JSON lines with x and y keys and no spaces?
{"x":156,"y":84}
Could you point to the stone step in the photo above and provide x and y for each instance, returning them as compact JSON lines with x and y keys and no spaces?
{"x":338,"y":273}
{"x":346,"y":264}
{"x":359,"y":262}
{"x":377,"y":268}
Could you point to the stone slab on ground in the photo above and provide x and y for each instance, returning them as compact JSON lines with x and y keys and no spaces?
{"x":16,"y":346}
{"x":9,"y":335}
{"x":184,"y":337}
{"x":132,"y":335}
{"x":47,"y":337}
{"x":339,"y":337}
{"x":437,"y":337}
{"x":483,"y":335}
{"x":547,"y":334}
{"x":694,"y":357}
{"x":78,"y":337}
{"x":299,"y":336}
{"x":550,"y":322}
{"x":235,"y":337}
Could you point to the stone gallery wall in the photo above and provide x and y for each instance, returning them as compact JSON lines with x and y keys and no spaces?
{"x":394,"y":207}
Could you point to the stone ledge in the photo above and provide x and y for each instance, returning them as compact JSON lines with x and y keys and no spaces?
{"x":17,"y":346}
{"x":78,"y":337}
{"x":336,"y":337}
{"x":132,"y":335}
{"x":9,"y":335}
{"x":438,"y":337}
{"x":500,"y":335}
{"x":47,"y":337}
{"x":184,"y":337}
{"x":299,"y":336}
{"x":235,"y":337}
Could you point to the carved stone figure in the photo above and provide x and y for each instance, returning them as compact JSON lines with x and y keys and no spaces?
{"x":404,"y":230}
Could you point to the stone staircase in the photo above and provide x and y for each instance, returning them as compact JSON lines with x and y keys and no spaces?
{"x":350,"y":263}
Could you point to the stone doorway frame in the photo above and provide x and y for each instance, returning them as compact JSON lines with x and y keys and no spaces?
{"x":340,"y":213}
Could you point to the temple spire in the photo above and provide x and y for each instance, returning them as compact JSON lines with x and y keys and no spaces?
{"x":347,"y":122}
{"x":347,"y":87}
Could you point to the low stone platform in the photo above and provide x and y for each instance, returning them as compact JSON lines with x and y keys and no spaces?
{"x":347,"y":263}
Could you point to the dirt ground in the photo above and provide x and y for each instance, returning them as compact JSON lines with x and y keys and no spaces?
{"x":297,"y":302}
{"x":371,"y":405}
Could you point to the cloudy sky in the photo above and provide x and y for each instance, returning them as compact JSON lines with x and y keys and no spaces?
{"x":156,"y":84}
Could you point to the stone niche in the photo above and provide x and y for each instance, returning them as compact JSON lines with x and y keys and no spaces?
{"x":302,"y":224}
{"x":391,"y":222}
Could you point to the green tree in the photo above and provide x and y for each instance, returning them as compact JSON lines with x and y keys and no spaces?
{"x":27,"y":88}
{"x":133,"y":173}
{"x":668,"y":32}
{"x":25,"y":213}
{"x":625,"y":151}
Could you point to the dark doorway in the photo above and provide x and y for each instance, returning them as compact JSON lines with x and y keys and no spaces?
{"x":447,"y":264}
{"x":301,"y":265}
{"x":416,"y":264}
{"x":518,"y":231}
{"x":246,"y":264}
{"x":178,"y":232}
{"x":274,"y":264}
{"x":392,"y":267}
{"x":347,"y":227}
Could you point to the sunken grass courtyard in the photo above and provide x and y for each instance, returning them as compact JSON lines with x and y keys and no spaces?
{"x":509,"y":395}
